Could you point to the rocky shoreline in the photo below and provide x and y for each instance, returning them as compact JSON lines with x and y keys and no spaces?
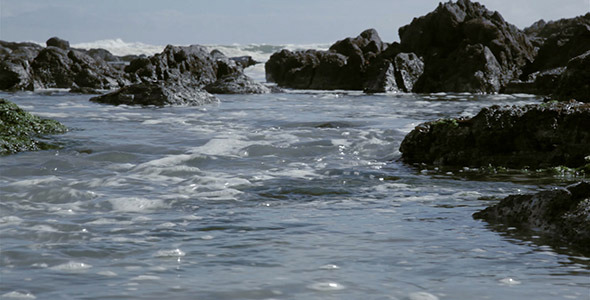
{"x":459,"y":47}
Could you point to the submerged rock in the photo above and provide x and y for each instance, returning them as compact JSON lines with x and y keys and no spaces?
{"x":563,"y":214}
{"x":20,"y":131}
{"x":466,"y":48}
{"x":535,"y":136}
{"x":236,"y":84}
{"x":157,"y":94}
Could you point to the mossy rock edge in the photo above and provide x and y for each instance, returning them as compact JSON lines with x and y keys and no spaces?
{"x":22,"y":131}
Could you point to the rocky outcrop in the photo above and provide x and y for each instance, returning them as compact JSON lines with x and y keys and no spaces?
{"x":466,"y":48}
{"x":535,"y":136}
{"x":196,"y":67}
{"x":58,"y":43}
{"x":26,"y":66}
{"x":574,"y":83}
{"x":157,"y":93}
{"x":558,"y":42}
{"x":15,"y":65}
{"x":563,"y":214}
{"x":361,"y":63}
{"x":20,"y":131}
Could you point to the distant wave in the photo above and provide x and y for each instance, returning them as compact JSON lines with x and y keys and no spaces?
{"x":121,"y":48}
{"x":259,"y":52}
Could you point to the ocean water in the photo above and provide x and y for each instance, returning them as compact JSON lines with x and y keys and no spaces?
{"x":297,"y":195}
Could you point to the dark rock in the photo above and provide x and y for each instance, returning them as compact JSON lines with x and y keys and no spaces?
{"x":85,"y":90}
{"x":20,"y":131}
{"x":343,"y":66}
{"x":408,"y":69}
{"x":59,"y":43}
{"x":540,"y":83}
{"x":563,"y":214}
{"x":558,"y":42}
{"x":15,"y":65}
{"x":382,"y":78}
{"x":236,"y":84}
{"x":192,"y":64}
{"x":574,"y":83}
{"x":535,"y":136}
{"x":57,"y":68}
{"x":244,"y":61}
{"x":158,"y":94}
{"x":466,"y":48}
{"x":102,"y":54}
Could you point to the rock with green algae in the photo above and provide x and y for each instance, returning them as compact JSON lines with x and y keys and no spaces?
{"x":20,"y":130}
{"x":563,"y":214}
{"x":536,"y":136}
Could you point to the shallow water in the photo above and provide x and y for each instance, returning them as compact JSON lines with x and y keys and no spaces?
{"x":298,"y":195}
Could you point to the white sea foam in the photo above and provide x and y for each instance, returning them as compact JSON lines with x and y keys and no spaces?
{"x":326,"y":286}
{"x":18,"y":295}
{"x":422,"y":296}
{"x":135,"y":204}
{"x":121,"y":48}
{"x":72,"y":266}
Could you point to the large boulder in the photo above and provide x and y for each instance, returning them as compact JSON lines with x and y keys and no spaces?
{"x":15,"y":65}
{"x":396,"y":74}
{"x":574,"y":83}
{"x":57,"y":68}
{"x":562,"y":214}
{"x":57,"y":42}
{"x":466,"y":48}
{"x":536,"y":136}
{"x":157,"y":93}
{"x":20,"y":131}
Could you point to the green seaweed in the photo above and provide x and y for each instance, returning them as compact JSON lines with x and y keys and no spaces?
{"x":22,"y":131}
{"x":444,"y":122}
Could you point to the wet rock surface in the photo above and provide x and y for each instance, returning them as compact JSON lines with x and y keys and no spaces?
{"x":563,"y":214}
{"x":361,"y":63}
{"x":157,"y":94}
{"x":466,"y":48}
{"x":531,"y":136}
{"x":21,"y":131}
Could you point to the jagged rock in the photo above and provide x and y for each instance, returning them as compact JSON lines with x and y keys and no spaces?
{"x":574,"y":83}
{"x":563,"y":214}
{"x":466,"y":48}
{"x":15,"y":65}
{"x":558,"y":42}
{"x":536,"y":136}
{"x":192,"y":64}
{"x":57,"y":42}
{"x":408,"y":69}
{"x":158,"y":94}
{"x":343,"y":66}
{"x":240,"y":84}
{"x":20,"y":131}
{"x":58,"y":68}
{"x":398,"y":74}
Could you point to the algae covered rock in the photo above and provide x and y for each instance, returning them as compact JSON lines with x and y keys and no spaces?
{"x":562,"y":213}
{"x":536,"y":136}
{"x":20,"y":131}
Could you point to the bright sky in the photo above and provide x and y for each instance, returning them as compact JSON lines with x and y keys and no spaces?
{"x":240,"y":21}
